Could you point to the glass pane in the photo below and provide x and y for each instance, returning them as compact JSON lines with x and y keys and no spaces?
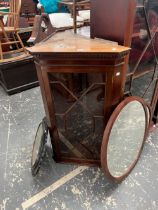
{"x":79,"y":106}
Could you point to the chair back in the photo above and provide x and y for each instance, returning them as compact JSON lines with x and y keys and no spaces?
{"x":15,"y":8}
{"x":113,"y":20}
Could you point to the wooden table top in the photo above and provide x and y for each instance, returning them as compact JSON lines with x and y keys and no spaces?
{"x":68,"y":42}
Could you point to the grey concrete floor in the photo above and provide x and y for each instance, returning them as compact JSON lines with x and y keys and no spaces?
{"x":20,"y":115}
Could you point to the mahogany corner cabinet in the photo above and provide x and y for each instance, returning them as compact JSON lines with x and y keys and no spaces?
{"x":82,"y":81}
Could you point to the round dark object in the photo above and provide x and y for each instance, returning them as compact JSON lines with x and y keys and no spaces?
{"x":38,"y":151}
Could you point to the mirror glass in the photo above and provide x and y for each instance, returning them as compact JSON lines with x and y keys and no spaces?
{"x":37,"y":144}
{"x":126,"y":138}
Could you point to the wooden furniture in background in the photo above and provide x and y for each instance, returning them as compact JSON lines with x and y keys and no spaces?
{"x":11,"y":45}
{"x":40,"y":32}
{"x":18,"y":75}
{"x":74,"y":6}
{"x":28,"y":11}
{"x":28,"y":7}
{"x":113,"y":20}
{"x":17,"y":69}
{"x":13,"y":14}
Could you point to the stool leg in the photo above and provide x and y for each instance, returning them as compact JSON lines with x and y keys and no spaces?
{"x":21,"y":43}
{"x":14,"y":38}
{"x":3,"y":31}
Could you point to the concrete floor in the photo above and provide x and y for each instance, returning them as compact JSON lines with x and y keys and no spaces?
{"x":84,"y":188}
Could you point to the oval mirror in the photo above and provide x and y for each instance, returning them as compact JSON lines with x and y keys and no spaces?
{"x":124,"y":137}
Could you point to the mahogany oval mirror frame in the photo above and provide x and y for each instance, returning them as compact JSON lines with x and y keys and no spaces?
{"x":38,"y":150}
{"x":124,"y":137}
